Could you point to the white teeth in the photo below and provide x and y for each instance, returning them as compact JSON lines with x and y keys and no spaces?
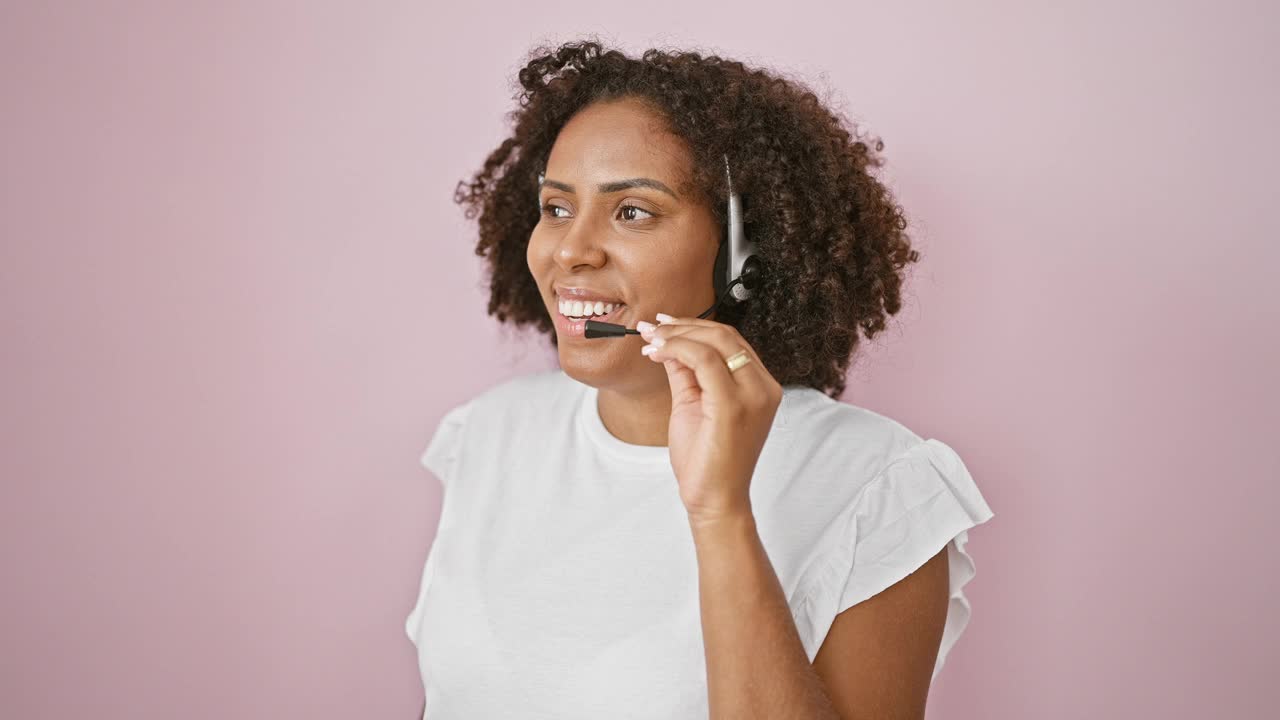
{"x":579,"y":308}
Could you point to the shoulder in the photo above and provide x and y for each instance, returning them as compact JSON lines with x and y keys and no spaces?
{"x":545,"y":381}
{"x":505,"y":412}
{"x":544,"y":393}
{"x":885,"y":501}
{"x":881,"y":474}
{"x":860,"y":440}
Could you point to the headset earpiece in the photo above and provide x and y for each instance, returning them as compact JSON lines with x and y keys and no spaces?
{"x":752,"y":272}
{"x":740,"y":261}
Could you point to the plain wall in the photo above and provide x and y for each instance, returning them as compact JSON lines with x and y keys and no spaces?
{"x":237,"y":296}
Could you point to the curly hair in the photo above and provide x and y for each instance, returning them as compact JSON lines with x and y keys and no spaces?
{"x":830,"y":235}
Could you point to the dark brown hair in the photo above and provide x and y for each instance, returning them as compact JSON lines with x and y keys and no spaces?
{"x":830,"y":234}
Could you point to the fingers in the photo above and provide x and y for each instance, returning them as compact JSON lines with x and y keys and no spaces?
{"x":724,"y":337}
{"x":712,"y":343}
{"x":706,"y":362}
{"x":683,"y":383}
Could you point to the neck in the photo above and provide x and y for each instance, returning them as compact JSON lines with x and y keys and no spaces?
{"x":638,"y":416}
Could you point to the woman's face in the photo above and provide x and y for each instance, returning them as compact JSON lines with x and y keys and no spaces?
{"x":620,"y":222}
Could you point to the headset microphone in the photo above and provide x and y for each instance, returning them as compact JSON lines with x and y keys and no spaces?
{"x":736,"y":275}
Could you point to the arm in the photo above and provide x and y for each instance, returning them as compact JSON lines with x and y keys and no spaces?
{"x":875,"y":663}
{"x":877,"y":659}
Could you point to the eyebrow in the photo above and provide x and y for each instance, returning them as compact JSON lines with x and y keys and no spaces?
{"x":616,"y":186}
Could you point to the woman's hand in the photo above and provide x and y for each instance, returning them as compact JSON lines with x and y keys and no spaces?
{"x":719,"y":419}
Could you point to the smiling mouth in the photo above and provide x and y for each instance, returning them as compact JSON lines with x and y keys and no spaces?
{"x":593,"y":316}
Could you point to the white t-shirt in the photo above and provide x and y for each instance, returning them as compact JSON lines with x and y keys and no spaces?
{"x":563,"y":584}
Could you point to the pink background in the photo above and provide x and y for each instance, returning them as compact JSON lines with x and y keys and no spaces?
{"x":236,"y":298}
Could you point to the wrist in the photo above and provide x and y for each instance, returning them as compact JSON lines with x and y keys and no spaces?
{"x":718,"y":522}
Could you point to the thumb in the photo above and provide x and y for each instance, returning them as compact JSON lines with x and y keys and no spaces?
{"x":683,"y":382}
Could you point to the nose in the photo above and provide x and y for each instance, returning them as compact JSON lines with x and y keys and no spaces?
{"x":580,"y":245}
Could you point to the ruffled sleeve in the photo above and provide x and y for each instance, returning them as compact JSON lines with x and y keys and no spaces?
{"x":441,"y":453}
{"x":441,"y":458}
{"x":922,"y":501}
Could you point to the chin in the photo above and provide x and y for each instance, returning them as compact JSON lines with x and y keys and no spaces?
{"x":603,"y":366}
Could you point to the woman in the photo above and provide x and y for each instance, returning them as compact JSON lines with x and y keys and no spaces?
{"x":652,"y":531}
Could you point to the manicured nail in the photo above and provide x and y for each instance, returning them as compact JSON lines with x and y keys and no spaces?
{"x":657,"y":341}
{"x":664,"y":318}
{"x":645,"y":328}
{"x":648,"y":350}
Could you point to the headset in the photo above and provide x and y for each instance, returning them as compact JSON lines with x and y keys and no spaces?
{"x":735,"y":277}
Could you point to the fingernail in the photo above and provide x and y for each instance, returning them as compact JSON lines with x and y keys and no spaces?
{"x":645,"y":327}
{"x":657,"y":341}
{"x":663,"y":317}
{"x":648,"y":350}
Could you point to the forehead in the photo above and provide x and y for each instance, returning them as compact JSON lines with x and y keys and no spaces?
{"x":617,"y":139}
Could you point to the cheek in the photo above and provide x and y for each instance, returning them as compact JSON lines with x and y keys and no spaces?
{"x":536,"y":255}
{"x":669,"y":275}
{"x":692,"y":266}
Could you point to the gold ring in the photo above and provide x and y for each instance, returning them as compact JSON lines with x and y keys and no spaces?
{"x":737,"y":360}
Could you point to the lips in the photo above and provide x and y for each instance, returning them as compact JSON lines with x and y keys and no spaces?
{"x":566,"y":292}
{"x":568,"y":327}
{"x":576,"y":328}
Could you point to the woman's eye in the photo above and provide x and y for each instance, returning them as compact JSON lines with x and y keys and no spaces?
{"x":628,"y":212}
{"x":551,"y":210}
{"x":625,"y":208}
